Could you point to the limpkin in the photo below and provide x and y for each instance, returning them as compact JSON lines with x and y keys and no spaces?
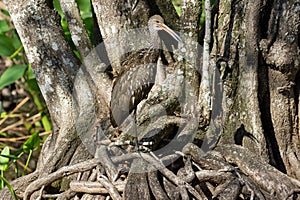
{"x":138,"y":73}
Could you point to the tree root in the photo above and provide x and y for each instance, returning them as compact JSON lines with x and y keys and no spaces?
{"x":227,"y":172}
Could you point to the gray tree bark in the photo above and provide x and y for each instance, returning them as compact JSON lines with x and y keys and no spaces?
{"x":248,"y":148}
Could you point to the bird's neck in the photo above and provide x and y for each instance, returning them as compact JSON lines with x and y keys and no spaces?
{"x":155,"y":40}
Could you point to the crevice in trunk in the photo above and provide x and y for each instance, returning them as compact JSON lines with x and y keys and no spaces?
{"x":297,"y":98}
{"x":264,"y":106}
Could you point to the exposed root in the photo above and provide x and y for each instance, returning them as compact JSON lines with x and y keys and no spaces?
{"x":227,"y":172}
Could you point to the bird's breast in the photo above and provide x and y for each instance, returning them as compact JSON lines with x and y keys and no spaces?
{"x":131,"y":87}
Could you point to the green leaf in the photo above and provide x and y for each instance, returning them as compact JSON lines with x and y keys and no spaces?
{"x":16,"y":53}
{"x":85,"y":15}
{"x":3,"y":134}
{"x":5,"y":12}
{"x":89,"y":24}
{"x":4,"y":26}
{"x":4,"y":159}
{"x":64,"y":25}
{"x":16,"y":40}
{"x":32,"y":143}
{"x":11,"y":74}
{"x":3,"y":114}
{"x":32,"y":85}
{"x":6,"y":46}
{"x":6,"y":182}
{"x":46,"y":122}
{"x":30,"y":74}
{"x":56,"y":5}
{"x":84,"y":5}
{"x":11,"y":157}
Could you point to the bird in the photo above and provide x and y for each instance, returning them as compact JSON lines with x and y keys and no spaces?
{"x":138,"y":72}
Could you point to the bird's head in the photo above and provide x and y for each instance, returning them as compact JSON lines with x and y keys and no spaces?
{"x":156,"y":24}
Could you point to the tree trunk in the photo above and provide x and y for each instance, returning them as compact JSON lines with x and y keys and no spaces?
{"x":243,"y":144}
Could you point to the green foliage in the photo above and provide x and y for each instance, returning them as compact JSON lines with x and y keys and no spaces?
{"x":4,"y":165}
{"x":3,"y":26}
{"x":32,"y":143}
{"x":6,"y":183}
{"x":5,"y":12}
{"x":86,"y":15}
{"x":12,"y":74}
{"x":6,"y":45}
{"x":4,"y":159}
{"x":10,"y":46}
{"x":177,"y":4}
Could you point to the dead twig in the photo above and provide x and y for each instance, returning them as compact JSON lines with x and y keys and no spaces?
{"x":93,"y":187}
{"x":64,"y":171}
{"x":112,"y":190}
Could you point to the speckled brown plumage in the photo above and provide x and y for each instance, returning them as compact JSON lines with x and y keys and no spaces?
{"x":137,"y":75}
{"x":133,"y":84}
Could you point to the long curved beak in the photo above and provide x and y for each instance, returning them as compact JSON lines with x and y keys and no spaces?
{"x":169,"y":31}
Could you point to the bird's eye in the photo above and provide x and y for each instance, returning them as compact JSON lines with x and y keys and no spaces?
{"x":157,"y":21}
